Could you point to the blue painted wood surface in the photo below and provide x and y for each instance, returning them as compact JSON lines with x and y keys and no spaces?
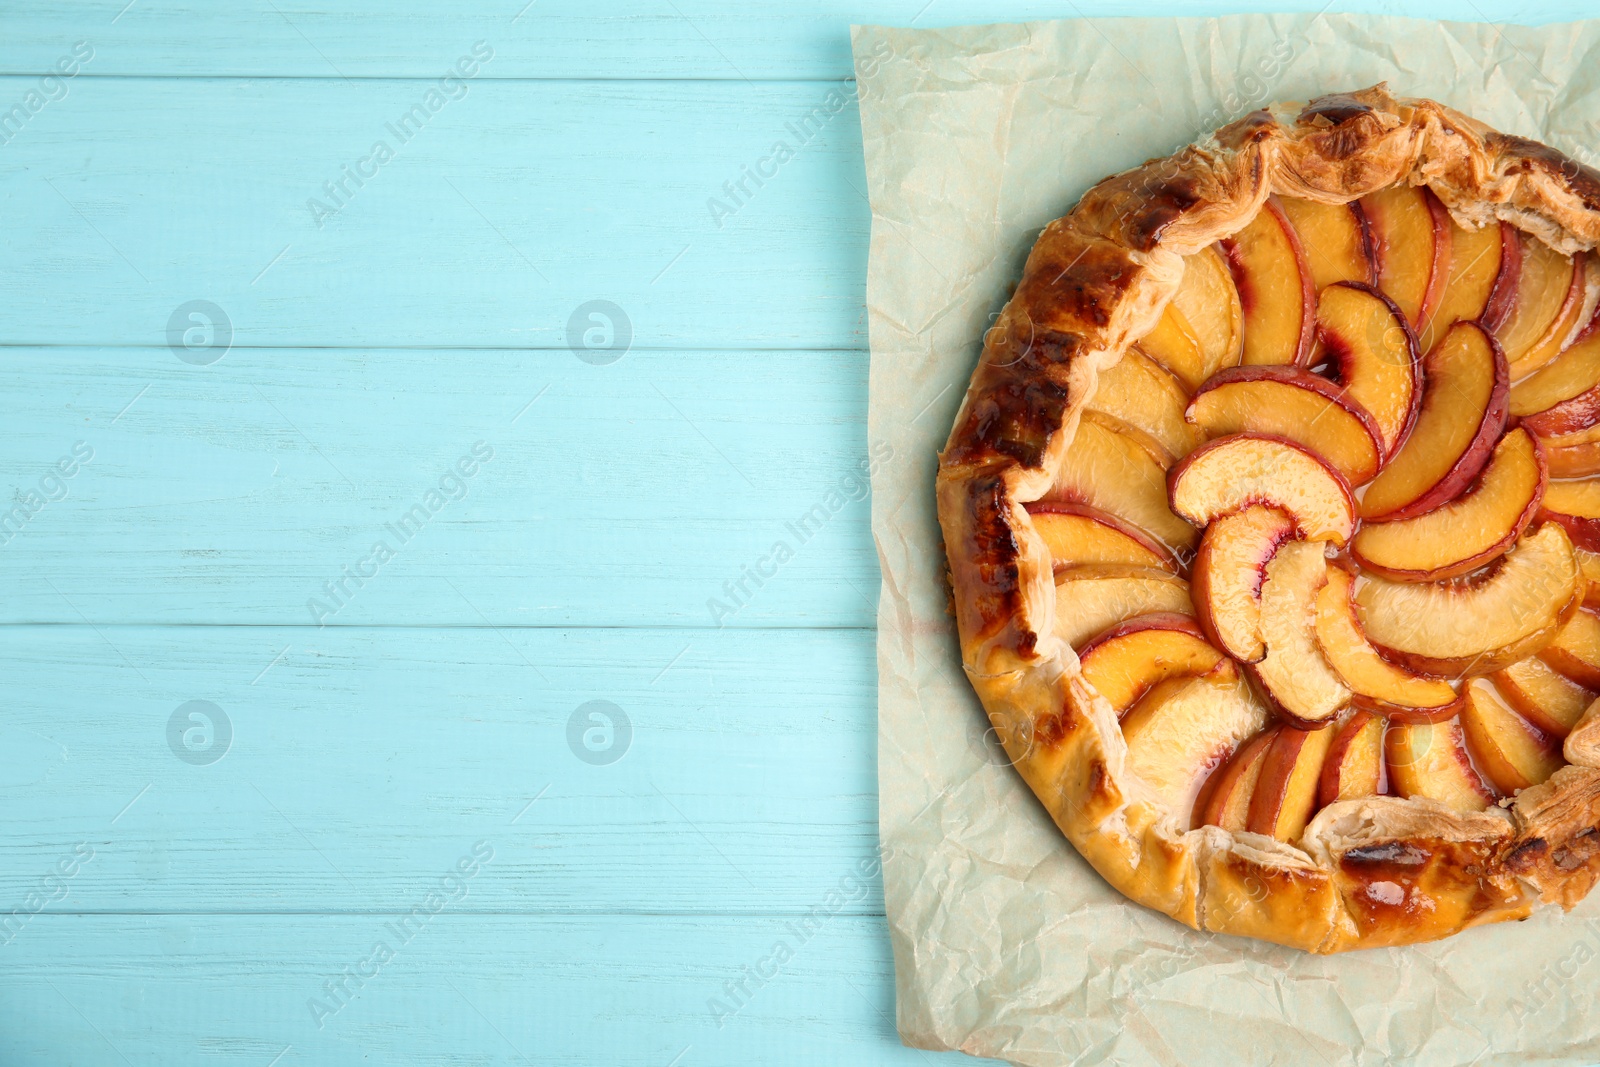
{"x":412,"y":736}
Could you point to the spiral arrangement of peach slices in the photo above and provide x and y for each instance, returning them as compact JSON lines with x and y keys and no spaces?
{"x":1329,"y":529}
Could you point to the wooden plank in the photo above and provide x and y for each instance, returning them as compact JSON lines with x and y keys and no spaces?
{"x":356,"y":762}
{"x":464,"y":989}
{"x":620,"y":495}
{"x":489,"y":222}
{"x":722,"y":39}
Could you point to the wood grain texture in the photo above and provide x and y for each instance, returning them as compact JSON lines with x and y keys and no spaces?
{"x":496,"y":217}
{"x":356,"y":761}
{"x":620,"y":495}
{"x":465,"y":989}
{"x":560,"y":39}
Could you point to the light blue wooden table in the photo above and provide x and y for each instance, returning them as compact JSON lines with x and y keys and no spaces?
{"x":278,"y":795}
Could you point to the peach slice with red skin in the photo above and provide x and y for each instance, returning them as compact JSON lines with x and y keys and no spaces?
{"x":1337,"y":239}
{"x":1553,"y":704}
{"x":1511,"y":609}
{"x":1251,"y":494}
{"x":1241,"y":470}
{"x":1202,"y":328}
{"x":1376,"y":685}
{"x":1575,"y":506}
{"x":1228,"y":572}
{"x":1182,"y":729}
{"x":1563,"y":396}
{"x":1366,"y":336}
{"x":1508,"y":283}
{"x":1285,"y":796}
{"x":1401,"y":713}
{"x":1573,"y":455}
{"x":1078,"y":534}
{"x":1092,"y":599}
{"x":1469,"y":531}
{"x":1294,"y":674}
{"x":1353,"y":767}
{"x":1574,"y":415}
{"x":1586,"y":435}
{"x":1225,"y":799}
{"x":1296,"y":405}
{"x":1411,"y":242}
{"x":1575,"y":652}
{"x":1570,"y":429}
{"x":1512,"y":753}
{"x":1462,"y":414}
{"x":1135,"y":656}
{"x":1430,"y":760}
{"x":1549,"y":290}
{"x":1476,"y":260}
{"x":1273,"y":278}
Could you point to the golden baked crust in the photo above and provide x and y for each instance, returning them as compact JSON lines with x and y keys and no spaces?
{"x":1373,"y":872}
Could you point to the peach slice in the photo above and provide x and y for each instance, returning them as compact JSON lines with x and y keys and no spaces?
{"x":1549,"y":290}
{"x":1513,"y":754}
{"x":1092,"y":599}
{"x":1285,"y":796}
{"x":1508,"y":283}
{"x":1133,"y":657}
{"x":1173,"y":348}
{"x":1225,"y":799}
{"x":1235,"y":472}
{"x":1296,"y":405}
{"x":1463,"y":411}
{"x":1567,"y":441}
{"x":1589,"y":564}
{"x":1116,"y":473}
{"x":1375,"y":684}
{"x":1552,"y":703}
{"x":1563,"y":396}
{"x":1575,"y":653}
{"x":1576,"y":507}
{"x":1183,"y":728}
{"x":1573,"y":455}
{"x":1141,"y":393}
{"x":1079,"y":534}
{"x":1202,"y":328}
{"x":1336,"y":238}
{"x":1430,"y":760}
{"x":1571,"y":429}
{"x":1275,"y":291}
{"x":1158,"y":451}
{"x":1573,"y":415}
{"x":1476,"y":258}
{"x":1353,"y":767}
{"x":1294,"y":674}
{"x":1468,"y":532}
{"x":1562,"y":331}
{"x":1450,"y":628}
{"x":1365,"y":335}
{"x":1411,"y":242}
{"x":1228,"y":572}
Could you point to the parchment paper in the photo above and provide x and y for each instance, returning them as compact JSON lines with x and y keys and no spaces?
{"x":1006,"y":943}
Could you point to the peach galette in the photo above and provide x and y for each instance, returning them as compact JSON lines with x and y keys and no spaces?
{"x":1273,"y":519}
